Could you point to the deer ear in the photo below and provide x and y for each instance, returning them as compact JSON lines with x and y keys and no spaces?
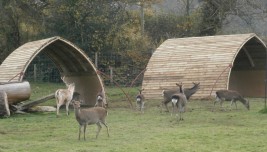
{"x":72,"y":101}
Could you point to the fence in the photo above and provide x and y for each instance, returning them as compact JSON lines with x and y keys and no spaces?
{"x":115,"y":68}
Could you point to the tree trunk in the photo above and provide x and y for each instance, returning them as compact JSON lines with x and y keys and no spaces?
{"x":4,"y":108}
{"x":16,"y":91}
{"x":27,"y":105}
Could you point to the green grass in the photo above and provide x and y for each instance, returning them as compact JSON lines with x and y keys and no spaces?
{"x":115,"y":95}
{"x":202,"y":130}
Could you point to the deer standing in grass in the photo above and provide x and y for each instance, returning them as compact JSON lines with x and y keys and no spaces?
{"x":167,"y":94}
{"x":64,"y":96}
{"x":89,"y":116}
{"x":140,"y":101}
{"x":100,"y":99}
{"x":230,"y":95}
{"x":179,"y":101}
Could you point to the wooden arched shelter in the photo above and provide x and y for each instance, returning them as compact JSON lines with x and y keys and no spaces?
{"x":70,"y":60}
{"x":218,"y":62}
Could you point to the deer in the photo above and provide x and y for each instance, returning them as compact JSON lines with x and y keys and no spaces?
{"x":100,"y":99}
{"x":140,"y":101}
{"x":167,"y":94}
{"x":90,"y":116}
{"x":64,"y":96}
{"x":230,"y":95}
{"x":179,"y":101}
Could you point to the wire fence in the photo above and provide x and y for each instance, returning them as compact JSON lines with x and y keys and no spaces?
{"x":116,"y":69}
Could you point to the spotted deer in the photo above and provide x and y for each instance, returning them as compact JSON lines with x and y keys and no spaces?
{"x":64,"y":96}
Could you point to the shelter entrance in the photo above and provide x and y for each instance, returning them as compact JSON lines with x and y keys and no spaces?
{"x":70,"y":61}
{"x":248,"y":73}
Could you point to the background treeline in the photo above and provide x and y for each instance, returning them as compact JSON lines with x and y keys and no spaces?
{"x":124,"y":33}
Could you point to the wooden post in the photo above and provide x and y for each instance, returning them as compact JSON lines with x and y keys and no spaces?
{"x":34,"y":72}
{"x":111,"y":74}
{"x":96,"y":60}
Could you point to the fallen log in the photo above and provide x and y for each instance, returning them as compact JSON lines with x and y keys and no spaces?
{"x":27,"y":105}
{"x":16,"y":91}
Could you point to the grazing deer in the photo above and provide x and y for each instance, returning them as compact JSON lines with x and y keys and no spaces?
{"x":100,"y":99}
{"x":230,"y":95}
{"x":167,"y":94}
{"x":64,"y":96}
{"x":179,"y":100}
{"x":140,"y":101}
{"x":89,"y":116}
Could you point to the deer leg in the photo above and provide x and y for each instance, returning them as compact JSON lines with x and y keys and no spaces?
{"x":181,"y":117}
{"x":98,"y":129}
{"x":181,"y":109}
{"x":214,"y":105}
{"x":137,"y":105}
{"x":105,"y":124}
{"x":142,"y":107}
{"x":80,"y":130}
{"x":96,"y":104}
{"x":235,"y":105}
{"x":166,"y":106}
{"x":84,"y":130}
{"x":221,"y":104}
{"x":216,"y":100}
{"x":231,"y":104}
{"x":67,"y":108}
{"x":161,"y":107}
{"x":172,"y":109}
{"x":233,"y":101}
{"x":58,"y":107}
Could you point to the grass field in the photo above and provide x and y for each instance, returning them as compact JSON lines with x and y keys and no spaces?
{"x":130,"y":131}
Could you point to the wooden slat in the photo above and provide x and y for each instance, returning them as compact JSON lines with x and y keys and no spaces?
{"x":196,"y":59}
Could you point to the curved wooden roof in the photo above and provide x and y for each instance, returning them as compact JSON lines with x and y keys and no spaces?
{"x":207,"y":60}
{"x":71,"y":61}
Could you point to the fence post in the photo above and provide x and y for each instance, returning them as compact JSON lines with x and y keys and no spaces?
{"x":34,"y":72}
{"x":111,"y":74}
{"x":96,"y":59}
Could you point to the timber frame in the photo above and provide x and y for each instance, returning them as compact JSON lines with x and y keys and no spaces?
{"x":235,"y":62}
{"x":70,"y":60}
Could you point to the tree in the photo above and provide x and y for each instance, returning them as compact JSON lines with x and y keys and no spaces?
{"x":19,"y":23}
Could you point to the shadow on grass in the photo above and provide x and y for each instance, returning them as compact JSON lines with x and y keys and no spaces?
{"x":264,"y":111}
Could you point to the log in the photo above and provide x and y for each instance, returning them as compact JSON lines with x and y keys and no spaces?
{"x":25,"y":106}
{"x":16,"y":91}
{"x":4,"y":107}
